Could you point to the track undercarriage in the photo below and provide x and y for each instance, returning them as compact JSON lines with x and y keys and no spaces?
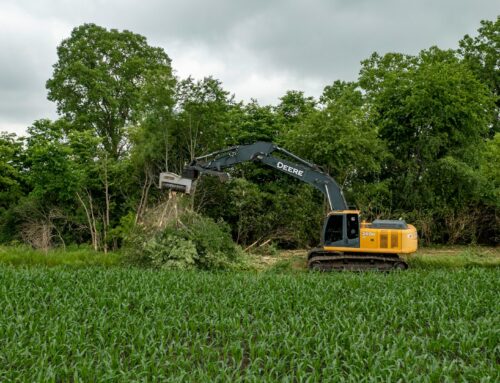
{"x":321,"y":260}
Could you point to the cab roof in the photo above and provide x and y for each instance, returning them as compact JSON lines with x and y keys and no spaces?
{"x":344,"y":212}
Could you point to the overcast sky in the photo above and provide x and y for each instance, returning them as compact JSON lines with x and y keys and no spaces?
{"x":257,"y":48}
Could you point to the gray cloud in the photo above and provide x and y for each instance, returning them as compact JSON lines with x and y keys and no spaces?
{"x":257,"y":48}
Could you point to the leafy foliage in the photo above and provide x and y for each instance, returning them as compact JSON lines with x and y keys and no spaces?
{"x":170,"y":251}
{"x":103,"y":80}
{"x":480,"y":53}
{"x":434,"y":115}
{"x":339,"y":137}
{"x":10,"y":169}
{"x":188,"y":242}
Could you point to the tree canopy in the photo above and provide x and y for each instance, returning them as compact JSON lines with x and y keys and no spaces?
{"x":105,"y":80}
{"x":415,"y":136}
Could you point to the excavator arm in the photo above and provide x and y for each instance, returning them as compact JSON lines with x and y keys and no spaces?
{"x":263,"y":152}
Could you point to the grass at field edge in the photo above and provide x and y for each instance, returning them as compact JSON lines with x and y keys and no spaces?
{"x":24,"y":256}
{"x":285,"y":261}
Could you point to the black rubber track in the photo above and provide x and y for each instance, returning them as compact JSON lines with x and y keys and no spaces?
{"x":327,"y":261}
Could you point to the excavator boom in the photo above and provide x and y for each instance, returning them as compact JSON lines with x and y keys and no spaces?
{"x":266,"y":153}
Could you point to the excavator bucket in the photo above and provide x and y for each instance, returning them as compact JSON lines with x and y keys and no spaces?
{"x":175,"y":182}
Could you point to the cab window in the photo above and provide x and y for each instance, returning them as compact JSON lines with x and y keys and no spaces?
{"x":333,"y":231}
{"x":352,"y":226}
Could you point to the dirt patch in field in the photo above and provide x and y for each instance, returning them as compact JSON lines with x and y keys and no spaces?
{"x":292,"y":259}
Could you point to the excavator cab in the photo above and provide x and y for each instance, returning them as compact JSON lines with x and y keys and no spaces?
{"x":342,"y":229}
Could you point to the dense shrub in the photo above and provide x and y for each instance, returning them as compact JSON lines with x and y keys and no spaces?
{"x":190,"y":241}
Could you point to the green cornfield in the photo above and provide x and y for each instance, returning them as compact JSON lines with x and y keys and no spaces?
{"x":125,"y":325}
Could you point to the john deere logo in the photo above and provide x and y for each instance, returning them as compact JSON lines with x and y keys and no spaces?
{"x":290,"y":169}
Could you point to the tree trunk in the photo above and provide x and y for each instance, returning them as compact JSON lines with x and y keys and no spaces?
{"x":143,"y":202}
{"x":107,"y":197}
{"x":90,"y":220}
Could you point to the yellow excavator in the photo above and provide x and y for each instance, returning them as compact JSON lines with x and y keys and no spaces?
{"x":346,"y":243}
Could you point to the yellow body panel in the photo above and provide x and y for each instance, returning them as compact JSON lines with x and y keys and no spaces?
{"x":383,"y":241}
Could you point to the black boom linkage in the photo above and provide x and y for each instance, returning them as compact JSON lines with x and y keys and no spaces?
{"x":214,"y":164}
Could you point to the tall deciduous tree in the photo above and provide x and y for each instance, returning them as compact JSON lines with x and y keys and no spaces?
{"x":105,"y":80}
{"x":482,"y":54}
{"x":253,"y":122}
{"x":12,"y":182}
{"x":104,"y":83}
{"x":339,"y":136}
{"x":426,"y":108}
{"x":202,"y":114}
{"x":10,"y":170}
{"x":434,"y":115}
{"x":294,"y":106}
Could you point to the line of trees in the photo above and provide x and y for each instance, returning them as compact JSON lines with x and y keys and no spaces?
{"x":416,"y":137}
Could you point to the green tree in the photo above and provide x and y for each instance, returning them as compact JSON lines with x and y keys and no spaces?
{"x":294,"y":106}
{"x":72,"y":180}
{"x":252,"y":122}
{"x":490,"y":219}
{"x":52,"y":179}
{"x":339,"y":136}
{"x":11,"y":183}
{"x":202,"y":118}
{"x":482,"y":54}
{"x":114,"y":91}
{"x":105,"y":80}
{"x":491,"y":170}
{"x":434,"y":115}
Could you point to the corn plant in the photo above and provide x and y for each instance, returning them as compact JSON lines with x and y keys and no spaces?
{"x":117,"y":325}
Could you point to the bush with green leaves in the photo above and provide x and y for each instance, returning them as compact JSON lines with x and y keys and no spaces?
{"x":191,"y":241}
{"x":169,"y":251}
